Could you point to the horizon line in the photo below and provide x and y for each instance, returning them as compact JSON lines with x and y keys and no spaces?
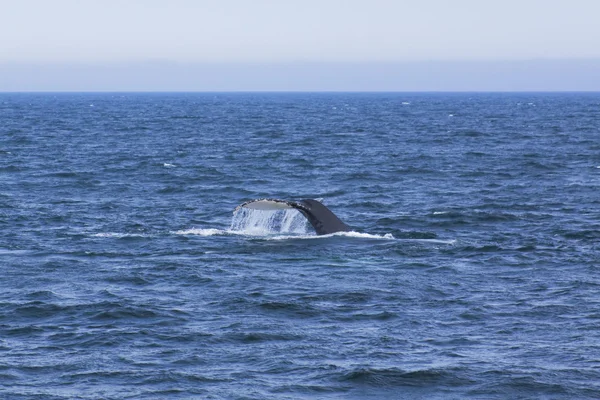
{"x":295,"y":91}
{"x":287,"y":62}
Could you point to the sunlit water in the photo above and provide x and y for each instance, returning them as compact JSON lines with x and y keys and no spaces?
{"x":471,"y":271}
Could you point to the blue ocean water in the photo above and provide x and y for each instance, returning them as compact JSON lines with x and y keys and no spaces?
{"x":475,"y":272}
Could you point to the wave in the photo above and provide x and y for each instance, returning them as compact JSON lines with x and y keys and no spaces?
{"x":394,"y":377}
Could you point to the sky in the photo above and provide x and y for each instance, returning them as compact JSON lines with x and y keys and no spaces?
{"x":397,"y":45}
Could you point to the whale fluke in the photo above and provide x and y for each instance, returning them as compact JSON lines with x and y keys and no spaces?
{"x":320,"y":217}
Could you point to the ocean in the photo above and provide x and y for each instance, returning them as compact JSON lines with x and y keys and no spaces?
{"x":472,"y":270}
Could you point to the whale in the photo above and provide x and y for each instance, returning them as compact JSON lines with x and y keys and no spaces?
{"x":322,"y":219}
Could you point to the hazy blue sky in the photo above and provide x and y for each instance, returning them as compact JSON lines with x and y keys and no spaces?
{"x":99,"y":45}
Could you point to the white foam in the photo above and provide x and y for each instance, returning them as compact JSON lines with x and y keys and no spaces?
{"x":12,"y":252}
{"x":360,"y":235}
{"x":433,"y":241}
{"x":117,"y":235}
{"x":269,"y":235}
{"x":221,"y":232}
{"x":351,"y":234}
{"x":259,"y":233}
{"x":202,"y":232}
{"x":387,"y":236}
{"x":167,"y":165}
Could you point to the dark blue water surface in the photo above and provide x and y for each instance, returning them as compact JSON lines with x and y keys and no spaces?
{"x":477,"y":274}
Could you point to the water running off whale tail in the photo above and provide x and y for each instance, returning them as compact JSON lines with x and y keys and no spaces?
{"x":286,"y":216}
{"x":261,"y":222}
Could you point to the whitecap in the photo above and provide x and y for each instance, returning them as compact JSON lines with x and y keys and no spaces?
{"x":167,"y":165}
{"x":432,"y":241}
{"x":117,"y":235}
{"x":107,"y":234}
{"x":13,"y":252}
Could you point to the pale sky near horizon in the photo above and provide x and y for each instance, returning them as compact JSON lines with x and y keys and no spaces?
{"x":109,"y":32}
{"x":308,"y":30}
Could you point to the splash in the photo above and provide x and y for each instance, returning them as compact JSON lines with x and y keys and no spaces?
{"x":269,"y":222}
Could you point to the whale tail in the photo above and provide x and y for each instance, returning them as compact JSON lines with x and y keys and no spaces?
{"x":320,"y":217}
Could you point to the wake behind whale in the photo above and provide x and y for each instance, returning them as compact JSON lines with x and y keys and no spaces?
{"x":275,"y":219}
{"x":285,"y":219}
